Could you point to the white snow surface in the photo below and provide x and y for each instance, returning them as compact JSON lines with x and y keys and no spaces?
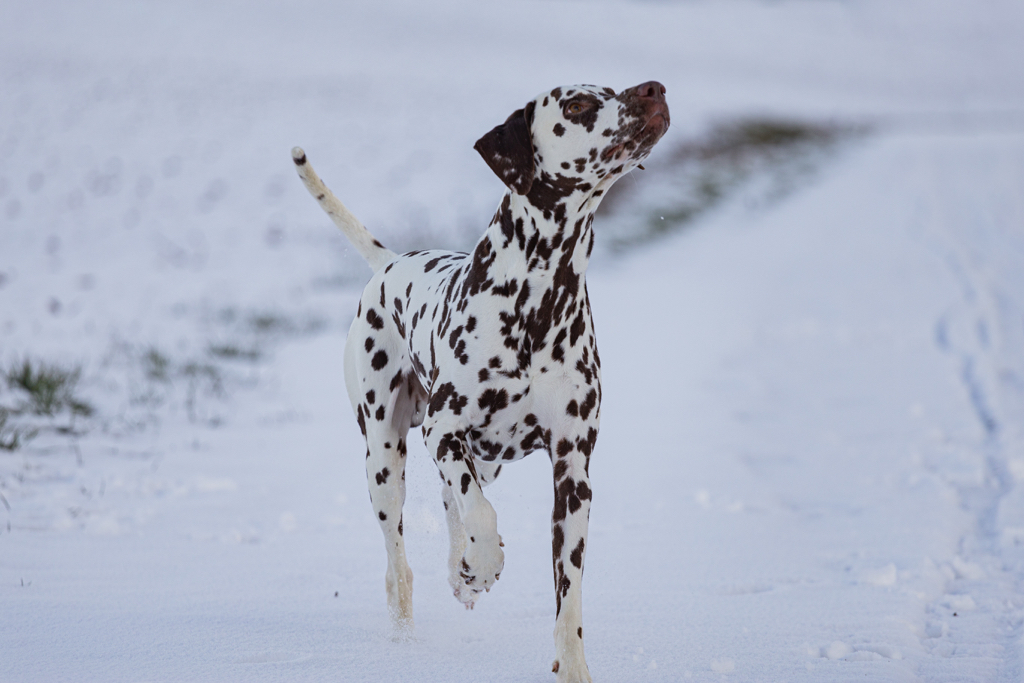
{"x":812,"y":438}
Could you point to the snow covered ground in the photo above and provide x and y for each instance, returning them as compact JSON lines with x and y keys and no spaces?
{"x":812,"y":450}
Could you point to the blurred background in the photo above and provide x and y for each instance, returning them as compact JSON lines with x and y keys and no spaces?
{"x":832,"y":230}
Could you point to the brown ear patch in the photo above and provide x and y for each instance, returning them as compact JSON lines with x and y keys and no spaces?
{"x":508,"y":150}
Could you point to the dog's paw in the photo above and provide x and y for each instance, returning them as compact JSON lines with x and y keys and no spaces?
{"x":570,"y":663}
{"x":480,"y":567}
{"x":466,"y":595}
{"x":573,"y":672}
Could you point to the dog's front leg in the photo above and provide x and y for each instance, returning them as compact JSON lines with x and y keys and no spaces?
{"x":569,"y":522}
{"x":482,"y":560}
{"x":457,"y":543}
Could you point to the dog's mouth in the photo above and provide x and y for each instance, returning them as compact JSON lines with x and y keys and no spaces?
{"x":658,"y":122}
{"x":642,"y":140}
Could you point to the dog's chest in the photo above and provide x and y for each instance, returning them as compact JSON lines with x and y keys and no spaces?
{"x":506,"y":328}
{"x":484,"y":348}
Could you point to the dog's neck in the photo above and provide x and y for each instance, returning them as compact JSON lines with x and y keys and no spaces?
{"x":544,"y":232}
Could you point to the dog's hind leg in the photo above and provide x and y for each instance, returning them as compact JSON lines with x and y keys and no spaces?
{"x":385,"y":409}
{"x":385,"y":475}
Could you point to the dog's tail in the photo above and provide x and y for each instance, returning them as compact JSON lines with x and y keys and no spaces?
{"x":375,"y":253}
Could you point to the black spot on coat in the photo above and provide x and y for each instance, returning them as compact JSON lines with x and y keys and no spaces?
{"x":376,"y":322}
{"x":576,"y":556}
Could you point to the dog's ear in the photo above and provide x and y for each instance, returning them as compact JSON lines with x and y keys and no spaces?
{"x":508,"y":150}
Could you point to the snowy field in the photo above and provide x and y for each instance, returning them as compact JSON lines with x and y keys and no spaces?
{"x":811,"y":465}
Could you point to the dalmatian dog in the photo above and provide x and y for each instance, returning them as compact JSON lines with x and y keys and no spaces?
{"x":493,"y":352}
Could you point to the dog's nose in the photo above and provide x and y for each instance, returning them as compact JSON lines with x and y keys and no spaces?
{"x":651,"y":90}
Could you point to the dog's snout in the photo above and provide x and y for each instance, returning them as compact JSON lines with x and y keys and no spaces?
{"x":649,"y":99}
{"x":651,"y":90}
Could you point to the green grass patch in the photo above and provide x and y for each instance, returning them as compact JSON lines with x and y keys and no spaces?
{"x":761,"y":158}
{"x":12,"y":436}
{"x":155,"y":365}
{"x":233,"y":352}
{"x":269,"y":323}
{"x":39,"y":396}
{"x":47,"y":389}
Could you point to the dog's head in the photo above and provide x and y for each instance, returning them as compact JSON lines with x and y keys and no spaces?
{"x":576,"y":136}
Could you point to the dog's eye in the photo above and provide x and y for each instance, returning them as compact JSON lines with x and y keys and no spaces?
{"x":573,"y":108}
